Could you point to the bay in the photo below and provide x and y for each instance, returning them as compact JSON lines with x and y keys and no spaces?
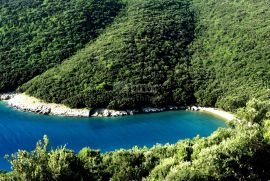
{"x":21,"y":130}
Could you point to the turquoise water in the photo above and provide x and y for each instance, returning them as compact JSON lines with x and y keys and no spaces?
{"x":19,"y":130}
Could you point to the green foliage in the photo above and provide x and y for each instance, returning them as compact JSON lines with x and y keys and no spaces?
{"x":146,"y":46}
{"x":266,"y":131}
{"x":40,"y":164}
{"x":255,"y":111}
{"x":164,"y":51}
{"x":37,"y":35}
{"x":126,"y":165}
{"x":230,"y":53}
{"x":92,"y":163}
{"x":178,"y":49}
{"x":238,"y":157}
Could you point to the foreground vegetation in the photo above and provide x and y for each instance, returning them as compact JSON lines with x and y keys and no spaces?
{"x":206,"y":52}
{"x":241,"y":152}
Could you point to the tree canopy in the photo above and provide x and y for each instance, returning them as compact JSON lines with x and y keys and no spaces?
{"x":146,"y":46}
{"x":37,"y":35}
{"x":230,"y":54}
{"x":209,"y":53}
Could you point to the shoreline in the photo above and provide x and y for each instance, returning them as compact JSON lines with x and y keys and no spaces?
{"x":220,"y":113}
{"x":27,"y":103}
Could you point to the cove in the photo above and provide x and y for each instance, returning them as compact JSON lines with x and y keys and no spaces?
{"x":20,"y":130}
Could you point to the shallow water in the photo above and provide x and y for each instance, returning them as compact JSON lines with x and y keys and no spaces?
{"x":20,"y":130}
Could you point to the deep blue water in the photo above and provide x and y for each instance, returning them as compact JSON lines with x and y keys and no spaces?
{"x":19,"y":130}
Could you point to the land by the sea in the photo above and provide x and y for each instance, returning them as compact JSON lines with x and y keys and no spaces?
{"x":27,"y":103}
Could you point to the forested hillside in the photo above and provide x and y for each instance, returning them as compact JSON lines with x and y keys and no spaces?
{"x":215,"y":52}
{"x":36,"y":35}
{"x":231,"y":52}
{"x":146,"y":45}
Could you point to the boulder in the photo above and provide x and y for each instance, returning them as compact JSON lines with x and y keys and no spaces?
{"x":6,"y":96}
{"x":194,"y":108}
{"x":109,"y":113}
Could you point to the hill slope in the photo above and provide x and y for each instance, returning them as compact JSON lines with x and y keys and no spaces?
{"x":231,"y":52}
{"x":145,"y":48}
{"x":151,"y":55}
{"x":37,"y":35}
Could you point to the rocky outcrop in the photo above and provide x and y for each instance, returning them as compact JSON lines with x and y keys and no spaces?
{"x":31,"y":104}
{"x":4,"y":97}
{"x":107,"y":113}
{"x":24,"y":102}
{"x":193,"y":108}
{"x":70,"y":112}
{"x":111,"y":113}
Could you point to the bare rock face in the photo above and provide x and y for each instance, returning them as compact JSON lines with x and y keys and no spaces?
{"x":4,"y":97}
{"x":24,"y":102}
{"x":70,"y":112}
{"x":194,"y":108}
{"x":39,"y":109}
{"x":110,"y":113}
{"x":45,"y":110}
{"x":31,"y":104}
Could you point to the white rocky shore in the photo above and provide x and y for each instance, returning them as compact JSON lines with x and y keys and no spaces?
{"x":4,"y":97}
{"x":111,"y":113}
{"x":27,"y":103}
{"x":24,"y":102}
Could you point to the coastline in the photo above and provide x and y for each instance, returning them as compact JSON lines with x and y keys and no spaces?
{"x":220,"y":113}
{"x":27,"y":103}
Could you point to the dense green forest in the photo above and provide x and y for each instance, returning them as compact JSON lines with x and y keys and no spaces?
{"x":209,"y":53}
{"x":181,"y":52}
{"x":36,"y":35}
{"x":147,"y":45}
{"x":230,"y":56}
